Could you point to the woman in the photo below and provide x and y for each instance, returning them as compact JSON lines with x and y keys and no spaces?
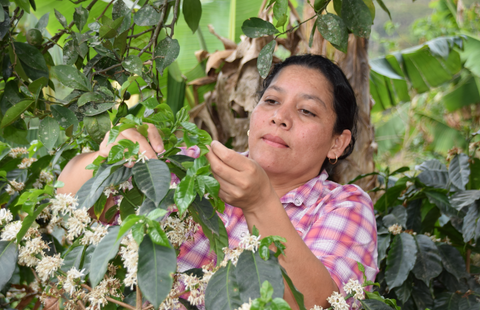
{"x":304,"y":120}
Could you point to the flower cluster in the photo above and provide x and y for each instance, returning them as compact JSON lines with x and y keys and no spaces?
{"x":44,"y":178}
{"x":395,"y":229}
{"x":94,"y":235}
{"x":249,"y":242}
{"x":77,"y":223}
{"x":11,"y":230}
{"x":63,"y":204}
{"x":5,"y":216}
{"x":14,"y":187}
{"x":48,"y":265}
{"x":17,"y":152}
{"x":74,"y":276}
{"x":26,"y":163}
{"x":129,"y":254}
{"x":337,"y":301}
{"x":179,"y":230}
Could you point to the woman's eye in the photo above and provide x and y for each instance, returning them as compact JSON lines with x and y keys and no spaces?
{"x":306,"y":112}
{"x":270,"y":101}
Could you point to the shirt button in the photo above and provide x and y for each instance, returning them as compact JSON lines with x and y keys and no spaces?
{"x":297,"y":202}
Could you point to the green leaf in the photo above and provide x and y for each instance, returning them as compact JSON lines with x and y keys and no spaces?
{"x":459,"y":171}
{"x":320,"y":4}
{"x":99,"y":205}
{"x":334,"y":30}
{"x":461,"y":199}
{"x":109,"y":29}
{"x":357,"y":17}
{"x":70,"y":77}
{"x":192,"y":12}
{"x":61,"y":18}
{"x":373,"y":304}
{"x":222,"y":290}
{"x":97,"y":126}
{"x":8,"y":261}
{"x":104,"y":252}
{"x":14,"y":112}
{"x":256,"y":27}
{"x":384,"y":7}
{"x":156,"y":263}
{"x":166,"y":51}
{"x":383,"y":242}
{"x":453,"y":301}
{"x":264,"y":61}
{"x":133,"y":64}
{"x":470,"y":223}
{"x":153,"y":179}
{"x":422,"y":296}
{"x":89,"y":97}
{"x":73,"y":258}
{"x":127,"y":223}
{"x":280,"y":12}
{"x":48,"y":132}
{"x":64,"y":116}
{"x":452,"y":260}
{"x":23,"y":4}
{"x":147,"y":16}
{"x":428,"y":264}
{"x":401,"y":259}
{"x":130,"y":202}
{"x":157,"y":234}
{"x":398,"y":216}
{"x":185,"y":193}
{"x":434,"y":174}
{"x":296,"y":294}
{"x":252,"y":271}
{"x":80,"y":17}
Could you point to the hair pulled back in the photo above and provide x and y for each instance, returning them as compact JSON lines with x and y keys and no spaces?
{"x":344,"y":102}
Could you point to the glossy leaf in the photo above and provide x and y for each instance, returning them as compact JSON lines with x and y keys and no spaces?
{"x":357,"y":17}
{"x":167,"y":51}
{"x":373,"y":304}
{"x":48,"y":132}
{"x":461,"y":199}
{"x":89,"y":97}
{"x":280,"y":12}
{"x":64,"y":116}
{"x":223,"y":291}
{"x":428,"y":264}
{"x":61,"y":18}
{"x":147,"y":16}
{"x":454,"y":301}
{"x":252,"y":271}
{"x":452,"y":260}
{"x":256,"y":27}
{"x":319,"y":4}
{"x":334,"y":30}
{"x":383,"y":242}
{"x":459,"y":171}
{"x":8,"y":261}
{"x":97,"y":126}
{"x":185,"y":193}
{"x":421,"y":295}
{"x":156,"y":233}
{"x":192,"y":12}
{"x":153,"y":179}
{"x":155,"y":265}
{"x":130,"y":202}
{"x":401,"y":259}
{"x":104,"y":252}
{"x":397,"y":216}
{"x":73,"y":258}
{"x":264,"y":61}
{"x":470,"y":223}
{"x":70,"y":77}
{"x":31,"y":57}
{"x":80,"y":17}
{"x":133,"y":64}
{"x":14,"y":112}
{"x":299,"y":298}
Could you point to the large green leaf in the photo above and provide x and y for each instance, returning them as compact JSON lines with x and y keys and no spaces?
{"x":48,"y":132}
{"x":471,"y":53}
{"x":357,"y":17}
{"x":334,"y":30}
{"x":166,"y":51}
{"x":147,"y":16}
{"x":222,"y":290}
{"x":459,"y":171}
{"x":470,"y":223}
{"x":104,"y":252}
{"x":252,"y":271}
{"x":428,"y":264}
{"x":465,"y":93}
{"x":14,"y":112}
{"x":185,"y":193}
{"x":256,"y":27}
{"x":192,"y":12}
{"x":397,"y":216}
{"x":373,"y":304}
{"x":421,"y":296}
{"x":264,"y":61}
{"x":64,"y":116}
{"x":383,"y":242}
{"x":400,"y":260}
{"x":97,"y":126}
{"x":452,"y":260}
{"x":434,"y":173}
{"x":8,"y":261}
{"x":156,"y":263}
{"x":31,"y":57}
{"x":462,"y":199}
{"x":454,"y":301}
{"x":73,"y":258}
{"x":70,"y":77}
{"x":153,"y":179}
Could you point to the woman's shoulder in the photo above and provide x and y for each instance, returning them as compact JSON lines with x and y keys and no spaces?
{"x":334,"y":193}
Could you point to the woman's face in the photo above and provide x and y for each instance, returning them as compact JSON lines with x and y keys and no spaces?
{"x":291,"y":129}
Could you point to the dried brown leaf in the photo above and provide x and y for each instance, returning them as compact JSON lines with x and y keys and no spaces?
{"x":216,"y":59}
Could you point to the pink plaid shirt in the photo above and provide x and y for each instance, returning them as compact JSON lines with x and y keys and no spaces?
{"x":335,"y":221}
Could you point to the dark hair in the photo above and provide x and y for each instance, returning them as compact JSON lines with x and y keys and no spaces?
{"x":344,"y":102}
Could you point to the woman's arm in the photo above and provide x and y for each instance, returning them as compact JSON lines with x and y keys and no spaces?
{"x":245,"y":185}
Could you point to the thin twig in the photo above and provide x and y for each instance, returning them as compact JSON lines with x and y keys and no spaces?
{"x":140,"y":33}
{"x":139,"y":299}
{"x":155,"y":34}
{"x":80,"y":303}
{"x":175,"y":16}
{"x":104,"y":11}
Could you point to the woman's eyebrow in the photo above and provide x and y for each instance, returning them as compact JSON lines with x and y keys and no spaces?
{"x":303,"y":95}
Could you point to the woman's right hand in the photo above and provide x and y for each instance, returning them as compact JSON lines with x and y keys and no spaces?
{"x":149,"y":148}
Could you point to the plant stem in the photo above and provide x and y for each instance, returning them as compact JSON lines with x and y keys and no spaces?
{"x":467,"y":261}
{"x":139,"y":299}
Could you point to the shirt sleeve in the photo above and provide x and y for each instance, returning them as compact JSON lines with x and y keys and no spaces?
{"x":345,"y":233}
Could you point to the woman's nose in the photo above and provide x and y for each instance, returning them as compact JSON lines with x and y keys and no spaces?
{"x":282,"y":117}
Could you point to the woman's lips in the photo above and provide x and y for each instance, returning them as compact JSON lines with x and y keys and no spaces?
{"x":274,"y":141}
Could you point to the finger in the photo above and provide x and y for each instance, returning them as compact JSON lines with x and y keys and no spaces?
{"x":135,"y":136}
{"x":228,"y":156}
{"x":219,"y":168}
{"x":155,"y":138}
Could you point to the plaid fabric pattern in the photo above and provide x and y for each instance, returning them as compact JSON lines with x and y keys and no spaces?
{"x":335,"y":221}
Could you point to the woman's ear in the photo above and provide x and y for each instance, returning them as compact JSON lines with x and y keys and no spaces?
{"x":340,"y":143}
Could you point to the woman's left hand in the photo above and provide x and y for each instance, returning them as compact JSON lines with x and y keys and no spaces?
{"x":243,"y":183}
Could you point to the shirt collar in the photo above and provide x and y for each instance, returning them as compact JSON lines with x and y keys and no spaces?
{"x":307,"y":194}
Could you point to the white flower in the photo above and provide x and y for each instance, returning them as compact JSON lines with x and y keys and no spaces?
{"x":26,"y":163}
{"x":11,"y":230}
{"x":94,"y":237}
{"x":231,"y":255}
{"x":142,"y":157}
{"x":48,"y":265}
{"x":354,"y":287}
{"x":246,"y":306}
{"x":64,"y":204}
{"x":129,"y":254}
{"x":77,"y":223}
{"x":27,"y":255}
{"x":38,"y":184}
{"x":5,"y":216}
{"x":395,"y":229}
{"x":14,"y":187}
{"x":110,"y":190}
{"x":52,"y":152}
{"x":45,"y":177}
{"x":70,"y":282}
{"x":337,"y":301}
{"x":316,"y":308}
{"x":127,"y":185}
{"x":86,"y":149}
{"x":17,"y":152}
{"x":249,"y":242}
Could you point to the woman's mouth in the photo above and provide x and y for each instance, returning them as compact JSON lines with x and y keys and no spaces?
{"x":274,"y":141}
